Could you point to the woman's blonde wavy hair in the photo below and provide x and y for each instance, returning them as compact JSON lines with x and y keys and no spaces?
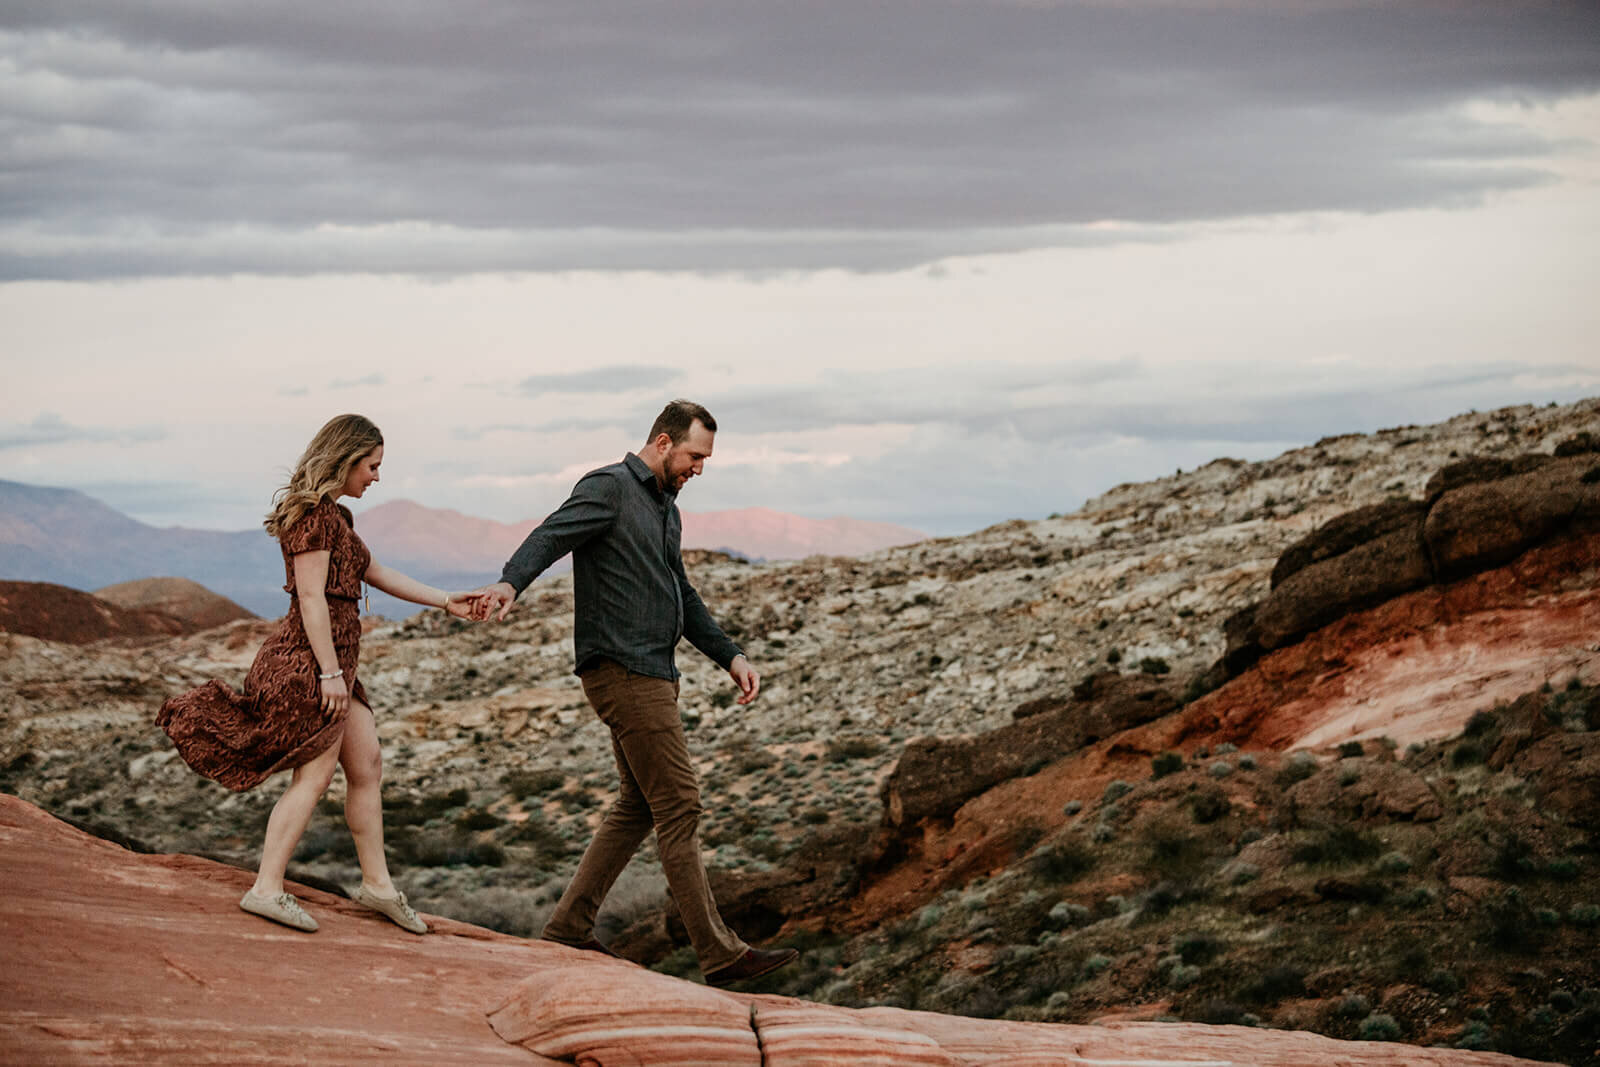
{"x":322,"y":469}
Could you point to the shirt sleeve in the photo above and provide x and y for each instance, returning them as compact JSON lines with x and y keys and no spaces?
{"x":700,"y":628}
{"x":311,"y":532}
{"x":590,"y":510}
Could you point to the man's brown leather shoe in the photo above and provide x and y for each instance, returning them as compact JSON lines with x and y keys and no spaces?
{"x":591,"y":945}
{"x":753,"y":964}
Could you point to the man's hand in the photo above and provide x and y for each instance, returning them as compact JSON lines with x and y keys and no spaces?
{"x":497,"y":597}
{"x":745,"y":677}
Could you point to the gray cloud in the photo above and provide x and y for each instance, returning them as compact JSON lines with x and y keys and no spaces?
{"x":157,"y":138}
{"x":617,"y":378}
{"x":52,"y":429}
{"x":370,"y":381}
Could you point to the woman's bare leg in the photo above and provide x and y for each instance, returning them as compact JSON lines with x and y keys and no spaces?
{"x":362,"y":759}
{"x":289,"y":818}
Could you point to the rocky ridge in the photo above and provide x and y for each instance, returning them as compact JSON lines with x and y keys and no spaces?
{"x":496,"y":771}
{"x":114,"y":956}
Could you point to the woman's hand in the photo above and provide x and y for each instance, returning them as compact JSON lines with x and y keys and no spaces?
{"x":335,"y":695}
{"x":467,"y":606}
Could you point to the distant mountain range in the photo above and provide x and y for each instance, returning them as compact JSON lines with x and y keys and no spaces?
{"x":67,"y":537}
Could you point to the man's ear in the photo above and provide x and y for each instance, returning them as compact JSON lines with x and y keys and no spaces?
{"x":662,"y":443}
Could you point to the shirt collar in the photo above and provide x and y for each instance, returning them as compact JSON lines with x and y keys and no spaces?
{"x":641,"y":470}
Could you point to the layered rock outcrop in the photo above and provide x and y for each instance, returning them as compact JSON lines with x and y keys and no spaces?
{"x":936,"y":775}
{"x":117,"y":957}
{"x":1478,"y":513}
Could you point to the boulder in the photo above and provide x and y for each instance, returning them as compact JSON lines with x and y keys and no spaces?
{"x":936,"y":775}
{"x":1350,"y":530}
{"x":1487,"y":522}
{"x":1322,"y":592}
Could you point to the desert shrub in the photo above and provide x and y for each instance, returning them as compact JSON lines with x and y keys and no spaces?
{"x":1220,"y":769}
{"x":849,"y":748}
{"x":1072,"y":807}
{"x":1215,"y":1012}
{"x":1393,"y":863}
{"x":1274,"y":984}
{"x":1586,"y":916}
{"x":1116,"y":788}
{"x":405,"y":811}
{"x":1564,"y":869}
{"x":1183,"y":976}
{"x":1198,"y":948}
{"x":1481,"y":723}
{"x":1444,"y":982}
{"x":1160,"y":899}
{"x":1417,"y":897}
{"x":1297,"y":768}
{"x":1247,"y":762}
{"x":1114,"y":657}
{"x":1337,"y":844}
{"x":478,"y":819}
{"x":1351,"y":749}
{"x":1226,"y":748}
{"x":751,"y":758}
{"x":1243,"y":873}
{"x":1066,"y":914}
{"x":1547,"y":917}
{"x":1209,"y":804}
{"x":1172,"y":848}
{"x":815,"y":816}
{"x":1476,"y":1036}
{"x":1378,"y":1027}
{"x":1466,"y":754}
{"x":327,"y":843}
{"x":523,"y":784}
{"x":1095,"y":965}
{"x":536,"y":832}
{"x":445,"y":848}
{"x":1103,"y":833}
{"x":1154,"y":665}
{"x":1165,"y":763}
{"x":1349,"y":775}
{"x":1508,"y":922}
{"x":1354,"y":1006}
{"x":502,"y":908}
{"x":1062,"y":861}
{"x":1563,"y":1001}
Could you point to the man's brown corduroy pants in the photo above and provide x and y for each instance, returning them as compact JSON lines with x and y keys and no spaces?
{"x":659,"y":790}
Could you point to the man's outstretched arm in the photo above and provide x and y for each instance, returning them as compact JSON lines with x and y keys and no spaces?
{"x":590,"y":510}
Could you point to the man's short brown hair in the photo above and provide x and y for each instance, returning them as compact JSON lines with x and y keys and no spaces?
{"x":676,"y":418}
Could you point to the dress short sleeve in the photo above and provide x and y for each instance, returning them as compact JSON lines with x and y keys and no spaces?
{"x":311,"y":532}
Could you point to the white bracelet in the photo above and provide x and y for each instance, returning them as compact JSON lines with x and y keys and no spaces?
{"x":446,"y":605}
{"x":330,"y":677}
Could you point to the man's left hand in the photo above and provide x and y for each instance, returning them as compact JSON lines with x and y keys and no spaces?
{"x":746,"y":678}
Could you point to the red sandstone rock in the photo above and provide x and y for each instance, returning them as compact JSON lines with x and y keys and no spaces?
{"x":57,"y":613}
{"x":116,"y":957}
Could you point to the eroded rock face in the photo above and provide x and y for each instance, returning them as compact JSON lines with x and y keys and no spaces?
{"x":1478,"y":514}
{"x":130,"y":958}
{"x":936,"y":775}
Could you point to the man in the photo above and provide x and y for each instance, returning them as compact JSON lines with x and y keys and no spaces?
{"x":633,"y":603}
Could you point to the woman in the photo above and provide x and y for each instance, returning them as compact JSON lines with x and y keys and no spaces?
{"x":303,"y":707}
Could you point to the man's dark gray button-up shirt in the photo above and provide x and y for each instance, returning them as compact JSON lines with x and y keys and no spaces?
{"x":633,"y":600}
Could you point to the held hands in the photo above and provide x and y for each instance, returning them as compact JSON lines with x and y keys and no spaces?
{"x":746,"y":678}
{"x":467,"y":606}
{"x":495,"y":598}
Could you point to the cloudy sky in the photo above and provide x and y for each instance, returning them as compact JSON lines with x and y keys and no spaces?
{"x":935,"y":262}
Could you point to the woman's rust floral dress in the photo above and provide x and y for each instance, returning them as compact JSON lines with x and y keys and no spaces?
{"x":278,"y":722}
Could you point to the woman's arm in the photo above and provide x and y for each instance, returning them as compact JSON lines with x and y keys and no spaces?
{"x":397,"y":584}
{"x":310,"y":580}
